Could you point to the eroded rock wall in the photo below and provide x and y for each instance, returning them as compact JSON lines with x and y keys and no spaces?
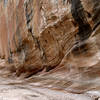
{"x":38,"y":34}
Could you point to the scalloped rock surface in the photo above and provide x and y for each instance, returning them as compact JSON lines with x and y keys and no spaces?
{"x":50,"y":49}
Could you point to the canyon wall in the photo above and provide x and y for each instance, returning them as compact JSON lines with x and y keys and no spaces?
{"x":41,"y":34}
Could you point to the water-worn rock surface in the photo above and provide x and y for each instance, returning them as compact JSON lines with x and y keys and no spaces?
{"x":55,"y":85}
{"x":50,"y":49}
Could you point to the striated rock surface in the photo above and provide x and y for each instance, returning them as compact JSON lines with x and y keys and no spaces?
{"x":57,"y":40}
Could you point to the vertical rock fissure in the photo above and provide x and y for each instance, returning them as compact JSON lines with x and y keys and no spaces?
{"x":10,"y":53}
{"x":96,"y":13}
{"x":29,"y":15}
{"x":78,"y":14}
{"x":37,"y":43}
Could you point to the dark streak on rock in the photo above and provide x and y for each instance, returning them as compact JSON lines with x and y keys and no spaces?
{"x":9,"y":52}
{"x":96,"y":13}
{"x":19,"y":37}
{"x":10,"y":56}
{"x":37,"y":43}
{"x":96,"y":25}
{"x":29,"y":12}
{"x":96,"y":10}
{"x":78,"y":14}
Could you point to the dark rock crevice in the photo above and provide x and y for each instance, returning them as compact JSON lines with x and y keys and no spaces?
{"x":78,"y":14}
{"x":29,"y":13}
{"x":96,"y":11}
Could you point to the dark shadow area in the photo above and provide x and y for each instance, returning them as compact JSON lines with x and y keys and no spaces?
{"x":78,"y":14}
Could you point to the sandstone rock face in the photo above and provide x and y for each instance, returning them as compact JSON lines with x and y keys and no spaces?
{"x":43,"y":34}
{"x":57,"y":40}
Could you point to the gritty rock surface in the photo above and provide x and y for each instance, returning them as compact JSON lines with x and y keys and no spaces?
{"x":54,"y":44}
{"x":39,"y":34}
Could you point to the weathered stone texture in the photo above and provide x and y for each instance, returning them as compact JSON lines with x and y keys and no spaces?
{"x":38,"y":34}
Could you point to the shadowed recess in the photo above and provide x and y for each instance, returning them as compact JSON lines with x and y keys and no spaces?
{"x":96,"y":13}
{"x":78,"y":14}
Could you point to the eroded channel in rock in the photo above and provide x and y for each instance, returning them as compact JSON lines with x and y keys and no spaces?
{"x":49,"y":49}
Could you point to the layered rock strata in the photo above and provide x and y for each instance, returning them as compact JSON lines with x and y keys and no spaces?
{"x":40,"y":34}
